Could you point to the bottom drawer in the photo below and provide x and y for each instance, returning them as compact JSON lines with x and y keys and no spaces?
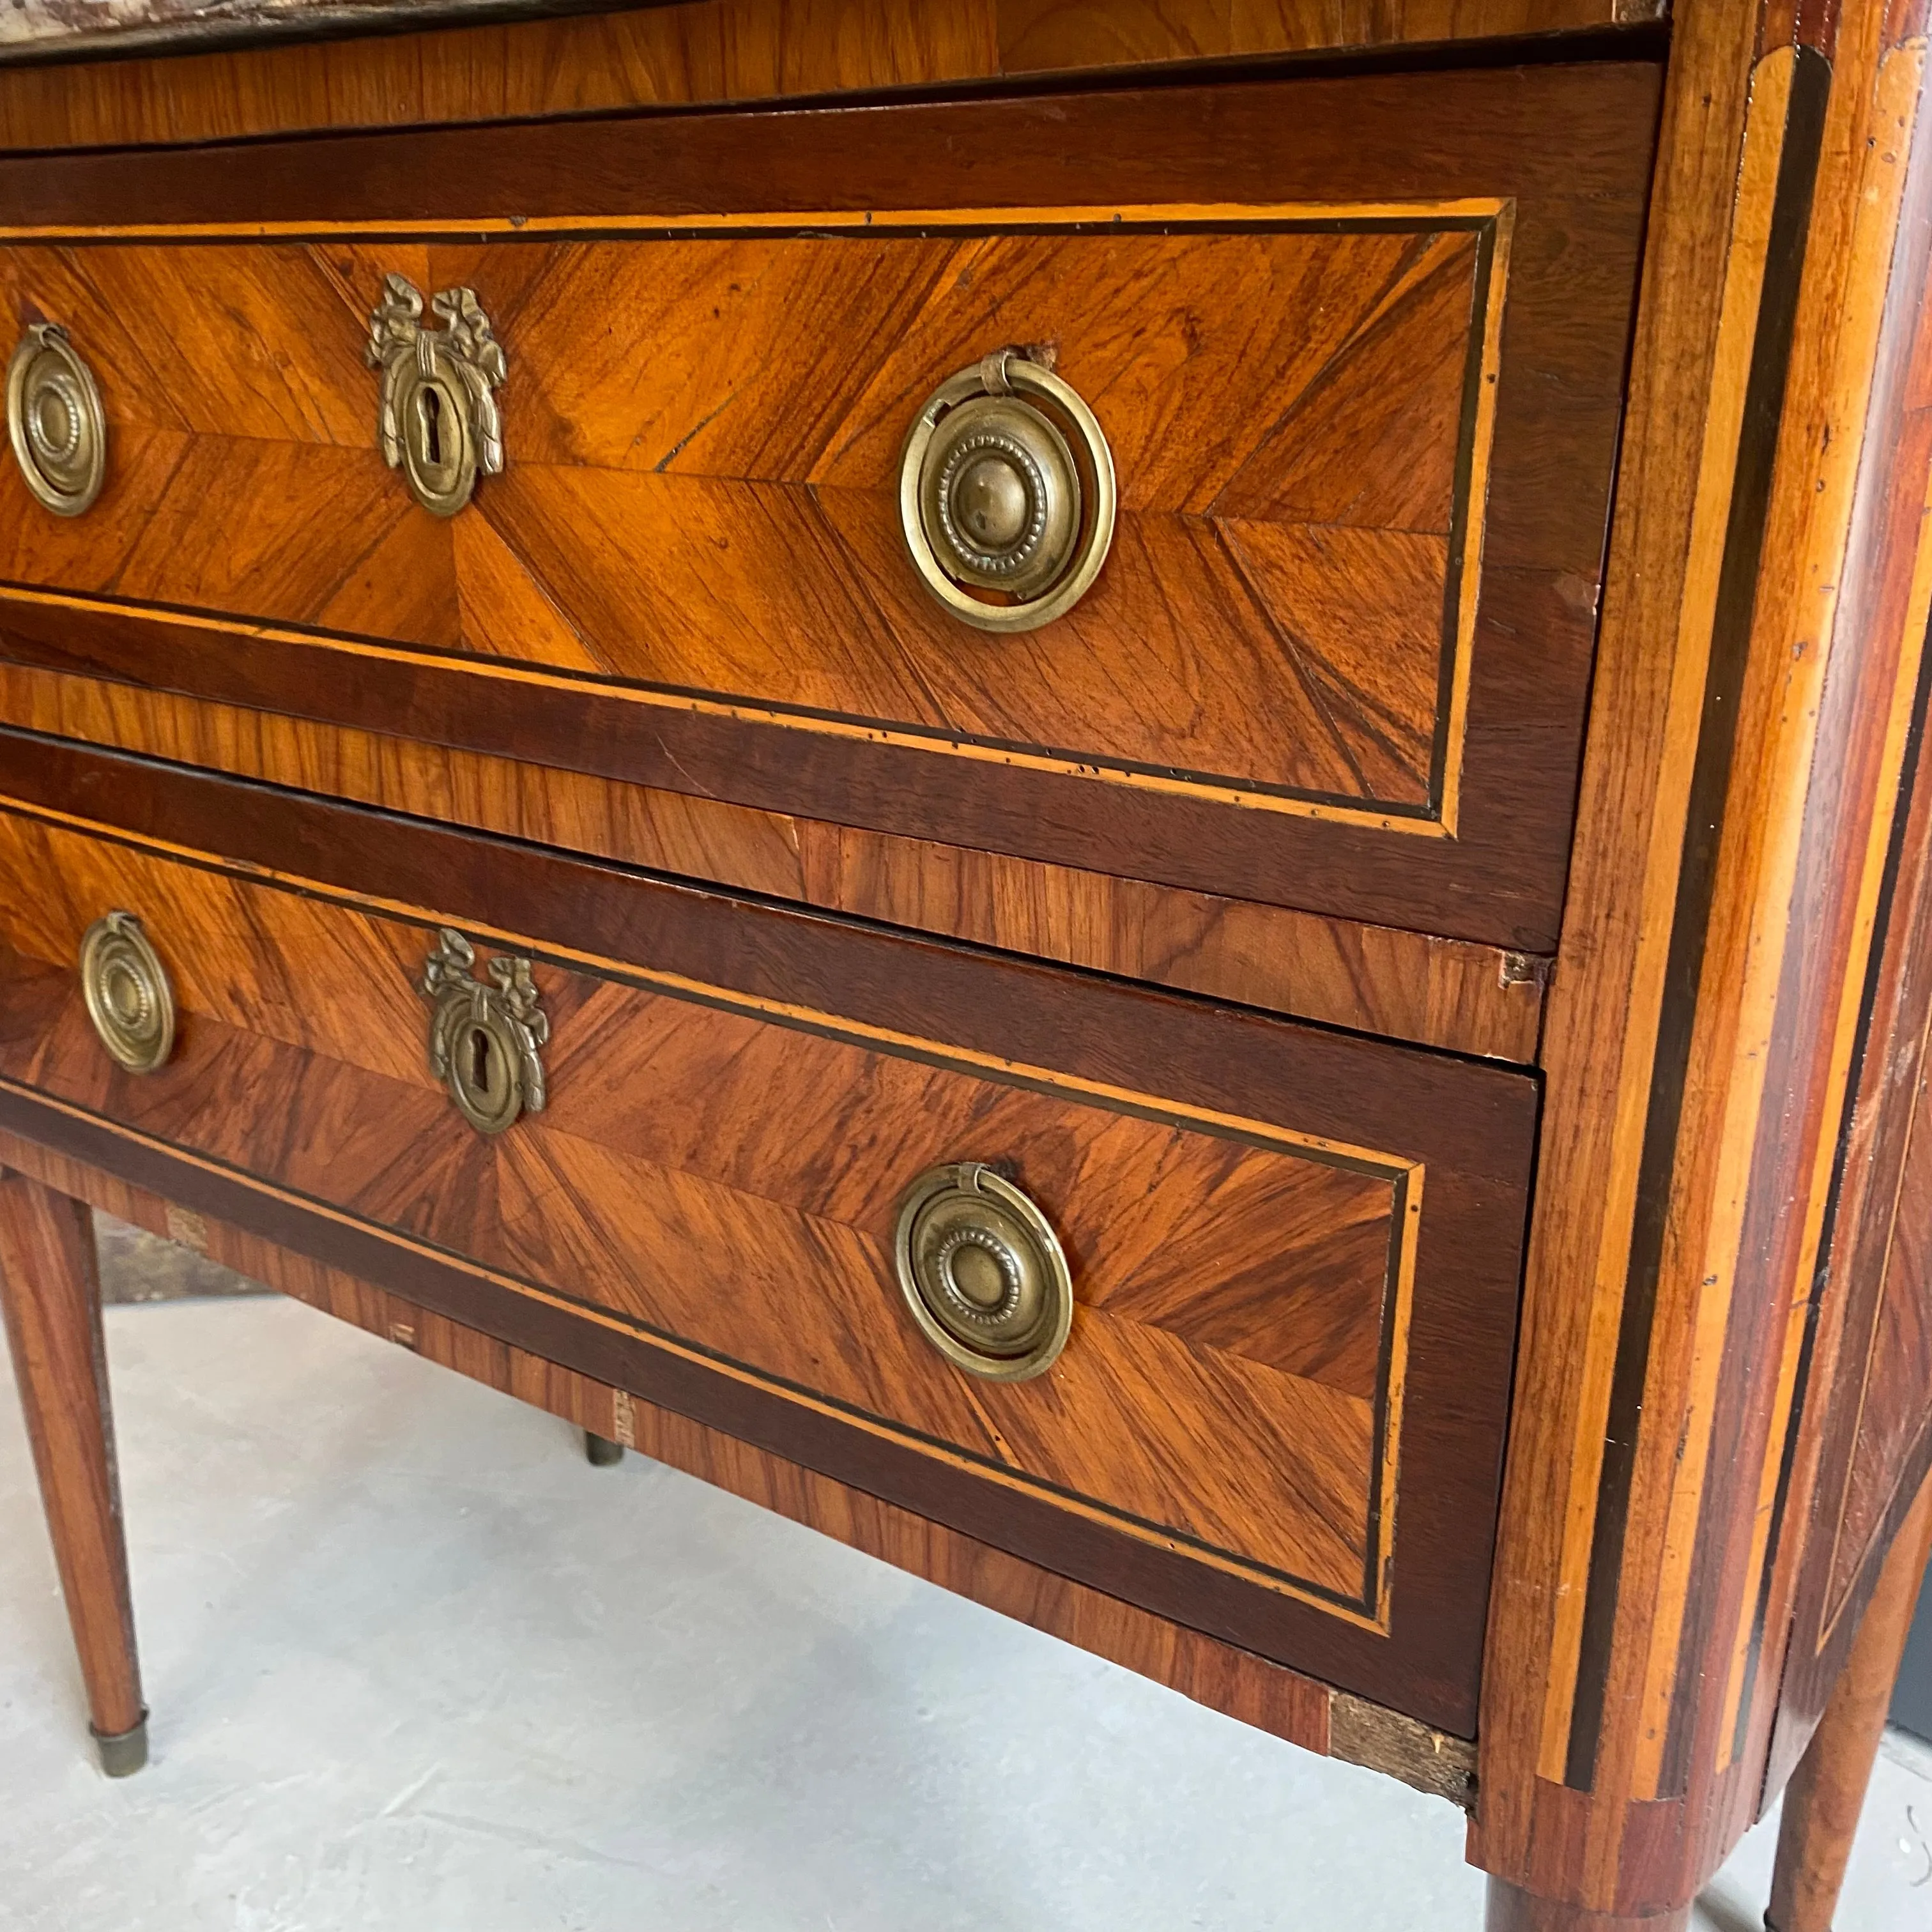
{"x":1290,"y":1256}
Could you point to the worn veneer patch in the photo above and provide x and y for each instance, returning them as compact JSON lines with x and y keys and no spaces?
{"x":137,"y":1266}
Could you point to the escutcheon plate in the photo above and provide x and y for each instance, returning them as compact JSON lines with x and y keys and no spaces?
{"x":485,"y":1038}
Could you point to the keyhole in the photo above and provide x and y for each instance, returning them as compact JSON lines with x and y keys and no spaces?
{"x":432,"y":422}
{"x":479,"y":1060}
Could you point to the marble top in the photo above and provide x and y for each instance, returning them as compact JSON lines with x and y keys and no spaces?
{"x":82,"y":29}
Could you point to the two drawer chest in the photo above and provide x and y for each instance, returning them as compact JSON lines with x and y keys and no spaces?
{"x":1125,"y":798}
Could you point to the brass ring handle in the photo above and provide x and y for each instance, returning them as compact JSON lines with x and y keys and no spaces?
{"x":55,"y":422}
{"x":437,"y":420}
{"x":1006,"y":494}
{"x":485,"y":1037}
{"x":983,"y":1273}
{"x":128,"y":997}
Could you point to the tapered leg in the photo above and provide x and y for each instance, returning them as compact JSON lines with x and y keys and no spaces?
{"x":1827,"y":1791}
{"x":604,"y":1454}
{"x":51,"y":1302}
{"x":1511,"y":1909}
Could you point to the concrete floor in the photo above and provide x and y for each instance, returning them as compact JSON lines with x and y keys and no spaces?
{"x":414,"y":1664}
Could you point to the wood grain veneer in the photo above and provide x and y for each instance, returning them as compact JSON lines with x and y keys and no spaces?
{"x":1758,"y":672}
{"x":1827,"y":1791}
{"x":720,"y":1169}
{"x":51,"y":1301}
{"x":731,"y":1182}
{"x":1289,"y":611}
{"x":1719,"y":1395}
{"x":1300,"y":1709}
{"x":1379,"y":979}
{"x":712,"y":50}
{"x":707,"y":497}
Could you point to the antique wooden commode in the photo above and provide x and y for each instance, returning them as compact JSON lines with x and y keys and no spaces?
{"x":1127,"y":796}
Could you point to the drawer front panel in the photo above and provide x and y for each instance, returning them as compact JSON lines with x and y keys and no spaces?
{"x":1362,"y":430}
{"x":731,"y":1183}
{"x":1268,"y":1311}
{"x":706,"y":497}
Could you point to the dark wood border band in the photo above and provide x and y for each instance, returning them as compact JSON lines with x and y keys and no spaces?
{"x":1031,"y":1527}
{"x":1567,"y":146}
{"x":1351,"y":1087}
{"x":1723,"y":688}
{"x":1471,"y":1123}
{"x":1348,"y":872}
{"x":1365,"y":137}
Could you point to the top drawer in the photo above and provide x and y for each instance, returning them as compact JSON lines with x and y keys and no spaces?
{"x":1356,"y":347}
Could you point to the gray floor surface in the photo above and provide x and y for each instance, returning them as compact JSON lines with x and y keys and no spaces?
{"x":414,"y":1664}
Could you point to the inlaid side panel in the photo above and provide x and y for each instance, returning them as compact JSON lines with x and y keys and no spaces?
{"x":1753,"y":703}
{"x":1868,"y":1368}
{"x":1892,"y":1376}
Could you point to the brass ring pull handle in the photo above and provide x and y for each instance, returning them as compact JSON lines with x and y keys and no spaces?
{"x":983,"y":1273}
{"x":438,"y":422}
{"x":128,"y":997}
{"x":1006,"y":494}
{"x":55,"y":421}
{"x":485,"y":1038}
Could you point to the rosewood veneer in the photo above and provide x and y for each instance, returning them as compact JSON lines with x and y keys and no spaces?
{"x":1127,"y":798}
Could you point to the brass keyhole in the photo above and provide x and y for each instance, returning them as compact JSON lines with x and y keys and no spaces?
{"x":430,"y":402}
{"x":485,"y":1037}
{"x":481,"y":1049}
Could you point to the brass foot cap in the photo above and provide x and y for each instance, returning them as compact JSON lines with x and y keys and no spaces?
{"x":604,"y":1454}
{"x":123,"y":1753}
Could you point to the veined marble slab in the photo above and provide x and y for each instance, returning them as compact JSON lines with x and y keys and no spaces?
{"x":84,"y":29}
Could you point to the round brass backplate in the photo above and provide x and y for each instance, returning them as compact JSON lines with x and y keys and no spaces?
{"x":128,"y":997}
{"x":55,"y":421}
{"x":983,"y":1273}
{"x":1006,"y":495}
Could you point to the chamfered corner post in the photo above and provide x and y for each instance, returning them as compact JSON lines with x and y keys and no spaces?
{"x":50,"y":1295}
{"x":1827,"y":1791}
